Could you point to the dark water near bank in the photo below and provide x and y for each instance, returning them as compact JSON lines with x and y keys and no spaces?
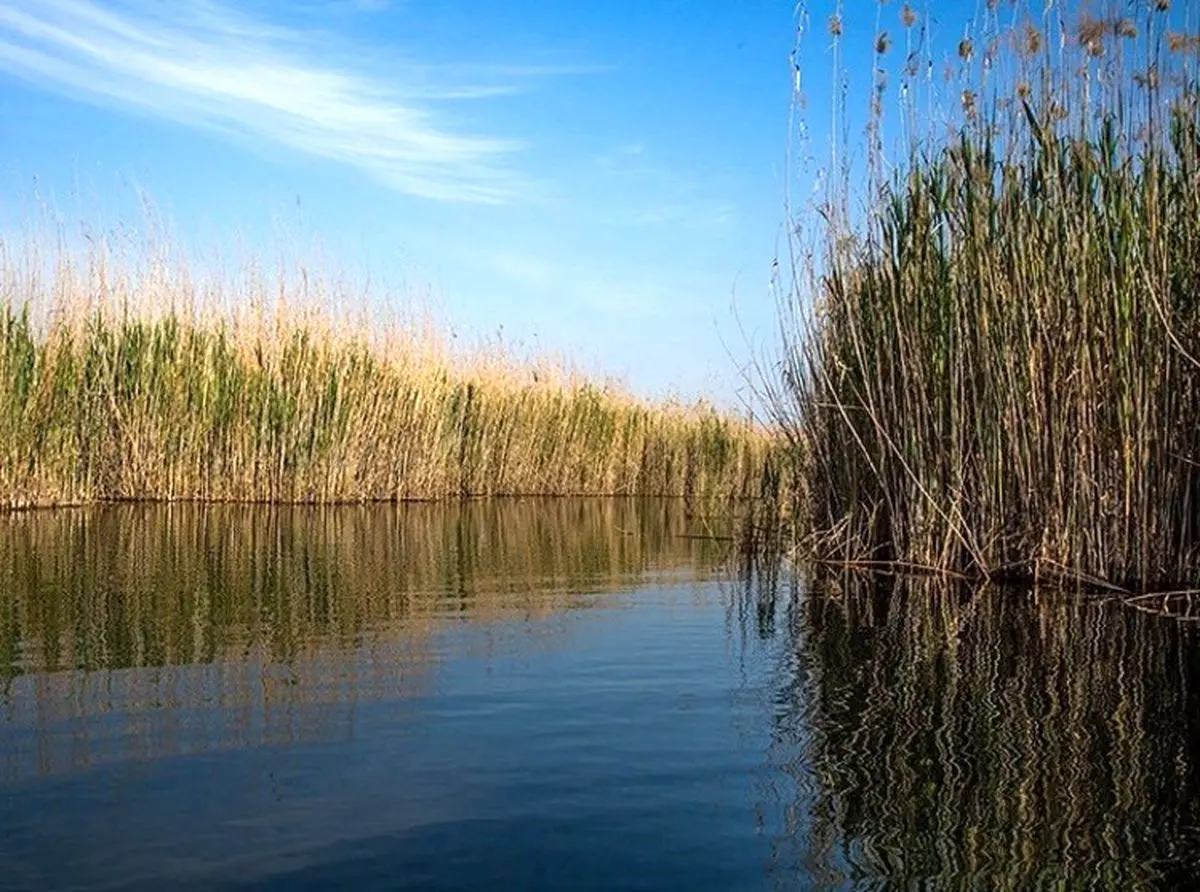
{"x":562,"y":695}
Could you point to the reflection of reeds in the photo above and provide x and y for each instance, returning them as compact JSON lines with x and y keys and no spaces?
{"x":167,"y":620}
{"x":996,"y":370}
{"x":1011,"y":740}
{"x":150,"y":586}
{"x":126,"y":380}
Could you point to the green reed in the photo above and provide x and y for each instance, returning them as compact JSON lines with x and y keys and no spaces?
{"x":131,"y":382}
{"x":996,"y":370}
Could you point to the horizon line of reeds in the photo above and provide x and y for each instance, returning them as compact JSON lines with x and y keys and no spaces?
{"x":131,"y":381}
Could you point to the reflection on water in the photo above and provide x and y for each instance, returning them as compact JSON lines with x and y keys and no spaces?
{"x":562,"y":694}
{"x":1016,"y":741}
{"x":282,"y":619}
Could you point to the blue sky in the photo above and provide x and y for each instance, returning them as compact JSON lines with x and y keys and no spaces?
{"x":601,"y":179}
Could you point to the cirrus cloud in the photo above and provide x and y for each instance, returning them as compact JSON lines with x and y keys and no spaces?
{"x":209,"y":66}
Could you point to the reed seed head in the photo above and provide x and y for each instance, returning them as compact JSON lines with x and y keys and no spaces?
{"x":1032,"y":43}
{"x":1091,"y":34}
{"x":907,"y":16}
{"x":969,"y":103}
{"x":1149,"y":79}
{"x":966,"y":49}
{"x":1179,"y":42}
{"x":882,"y":43}
{"x":835,"y":25}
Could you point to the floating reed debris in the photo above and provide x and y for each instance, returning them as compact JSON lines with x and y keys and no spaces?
{"x":128,"y":380}
{"x":998,"y":365}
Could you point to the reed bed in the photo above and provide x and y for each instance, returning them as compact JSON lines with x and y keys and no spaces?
{"x":128,"y":379}
{"x":995,"y":369}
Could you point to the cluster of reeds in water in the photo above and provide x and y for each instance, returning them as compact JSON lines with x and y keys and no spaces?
{"x":126,"y":379}
{"x":996,"y":369}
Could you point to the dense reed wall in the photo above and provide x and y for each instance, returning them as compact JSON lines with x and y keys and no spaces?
{"x":128,"y":381}
{"x":996,"y":369}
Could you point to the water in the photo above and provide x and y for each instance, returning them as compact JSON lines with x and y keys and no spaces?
{"x":562,"y":695}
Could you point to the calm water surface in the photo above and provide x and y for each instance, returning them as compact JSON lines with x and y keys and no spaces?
{"x":562,"y":695}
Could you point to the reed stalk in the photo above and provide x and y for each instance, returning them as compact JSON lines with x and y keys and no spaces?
{"x":128,"y":380}
{"x":996,"y":369}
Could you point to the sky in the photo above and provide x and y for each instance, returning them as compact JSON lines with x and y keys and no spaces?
{"x":600,"y":180}
{"x":604,"y":180}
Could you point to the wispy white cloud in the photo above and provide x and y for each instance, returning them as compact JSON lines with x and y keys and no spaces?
{"x":207,"y":65}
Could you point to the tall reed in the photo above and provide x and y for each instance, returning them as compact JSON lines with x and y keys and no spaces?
{"x":996,"y":369}
{"x":129,"y":380}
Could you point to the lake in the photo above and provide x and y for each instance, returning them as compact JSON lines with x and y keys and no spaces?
{"x":566,"y":694}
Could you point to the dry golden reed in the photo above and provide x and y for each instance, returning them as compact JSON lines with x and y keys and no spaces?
{"x":128,"y":380}
{"x":996,"y":370}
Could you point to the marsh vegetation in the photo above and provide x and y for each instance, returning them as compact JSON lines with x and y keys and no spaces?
{"x":992,"y":366}
{"x":129,"y":379}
